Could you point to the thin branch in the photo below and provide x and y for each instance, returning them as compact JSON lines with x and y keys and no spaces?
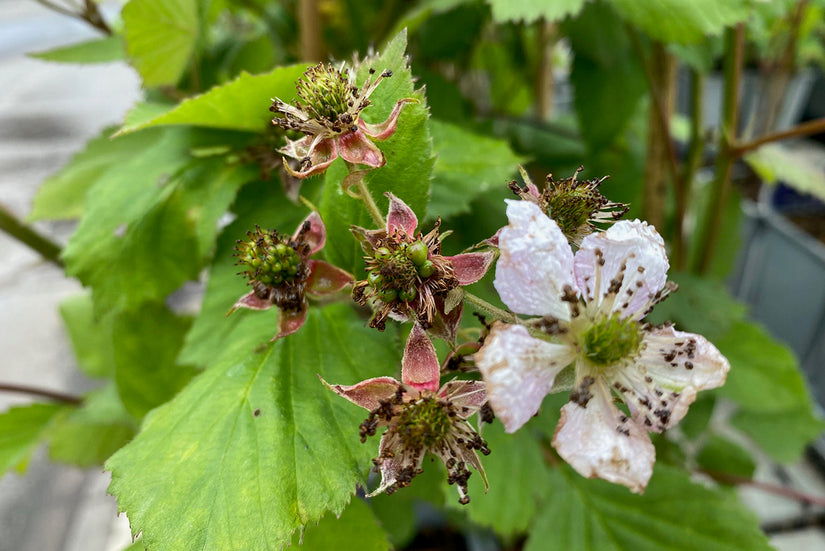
{"x":309,"y":24}
{"x":545,"y":84}
{"x":481,"y":304}
{"x":734,"y":54}
{"x":21,"y":232}
{"x":805,"y":129}
{"x":776,"y":489}
{"x":42,"y":392}
{"x":691,"y":166}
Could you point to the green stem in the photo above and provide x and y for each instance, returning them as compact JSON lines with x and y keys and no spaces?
{"x":15,"y":228}
{"x":365,"y":196}
{"x":734,"y":47}
{"x":697,"y":147}
{"x":481,"y":304}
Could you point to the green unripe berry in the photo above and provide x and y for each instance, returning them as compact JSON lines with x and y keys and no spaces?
{"x":407,"y":294}
{"x":375,"y":279}
{"x":381,"y":253}
{"x":388,"y":295}
{"x":417,"y":252}
{"x":426,"y":269}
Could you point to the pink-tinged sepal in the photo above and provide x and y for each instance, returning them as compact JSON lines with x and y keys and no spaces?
{"x":325,"y":278}
{"x":470,"y":267}
{"x":385,"y":129}
{"x":313,"y":232}
{"x":354,"y":147}
{"x":289,"y":321}
{"x":253,"y":302}
{"x":323,"y":156}
{"x":445,"y":324}
{"x":369,"y":393}
{"x":419,"y":367}
{"x":400,"y":216}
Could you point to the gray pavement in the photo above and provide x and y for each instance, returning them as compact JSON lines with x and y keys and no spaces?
{"x":47,"y":112}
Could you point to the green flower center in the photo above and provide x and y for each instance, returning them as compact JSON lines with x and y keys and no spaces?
{"x":269,"y":259}
{"x":395,"y":274}
{"x":423,"y":423}
{"x":611,"y":340}
{"x":326,"y":91}
{"x":572,"y":207}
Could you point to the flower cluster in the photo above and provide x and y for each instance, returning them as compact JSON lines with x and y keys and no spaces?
{"x":329,"y":114}
{"x":591,"y":306}
{"x":281,"y":273}
{"x":407,"y":277}
{"x":420,"y":418}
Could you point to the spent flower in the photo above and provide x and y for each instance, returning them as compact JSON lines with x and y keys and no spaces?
{"x":420,"y":418}
{"x":281,"y":272}
{"x":592,"y":305}
{"x":407,"y":277}
{"x":575,"y":205}
{"x":328,"y":112}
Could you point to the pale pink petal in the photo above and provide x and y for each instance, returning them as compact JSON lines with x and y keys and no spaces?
{"x":470,"y":267}
{"x":312,"y":170}
{"x":599,"y":441}
{"x":354,"y":147}
{"x":289,"y":321}
{"x":400,"y":216}
{"x":672,"y":368}
{"x":536,"y":263}
{"x":368,"y":393}
{"x":297,"y":149}
{"x":316,"y":235}
{"x":638,"y":248}
{"x":251,"y":301}
{"x":519,"y":371}
{"x":389,"y":467}
{"x":385,"y":129}
{"x":467,"y":396}
{"x":419,"y":367}
{"x":321,"y":155}
{"x":324,"y":278}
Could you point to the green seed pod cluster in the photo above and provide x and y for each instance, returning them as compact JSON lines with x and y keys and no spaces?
{"x":268,"y":258}
{"x":326,"y":91}
{"x":395,"y":275}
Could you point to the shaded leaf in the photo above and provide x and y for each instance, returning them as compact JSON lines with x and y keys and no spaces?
{"x":91,"y":337}
{"x":719,"y":455}
{"x":356,"y":526}
{"x":160,"y":38}
{"x":674,"y":513}
{"x":146,"y":344}
{"x":782,"y":434}
{"x":22,"y":428}
{"x":682,"y":21}
{"x":87,"y":436}
{"x":775,"y":163}
{"x":533,"y":10}
{"x":242,"y":104}
{"x":98,"y":50}
{"x":467,"y":164}
{"x":255,"y":447}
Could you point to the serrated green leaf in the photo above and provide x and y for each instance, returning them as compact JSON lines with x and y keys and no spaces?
{"x":518,"y":478}
{"x":136,"y":546}
{"x":242,"y":104}
{"x":87,"y":436}
{"x":255,"y":447}
{"x":775,"y":163}
{"x":467,"y":164}
{"x":701,"y":306}
{"x":607,"y":76}
{"x":782,"y":434}
{"x":420,"y":12}
{"x":408,"y":152}
{"x":764,"y":374}
{"x":213,"y":334}
{"x":22,"y":428}
{"x":719,"y":455}
{"x":63,"y":194}
{"x":765,"y":381}
{"x":146,"y":344}
{"x":357,"y":527}
{"x":682,"y":21}
{"x":91,"y":337}
{"x":151,"y":222}
{"x":160,"y":38}
{"x":533,"y":10}
{"x":98,"y":50}
{"x":673,"y":514}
